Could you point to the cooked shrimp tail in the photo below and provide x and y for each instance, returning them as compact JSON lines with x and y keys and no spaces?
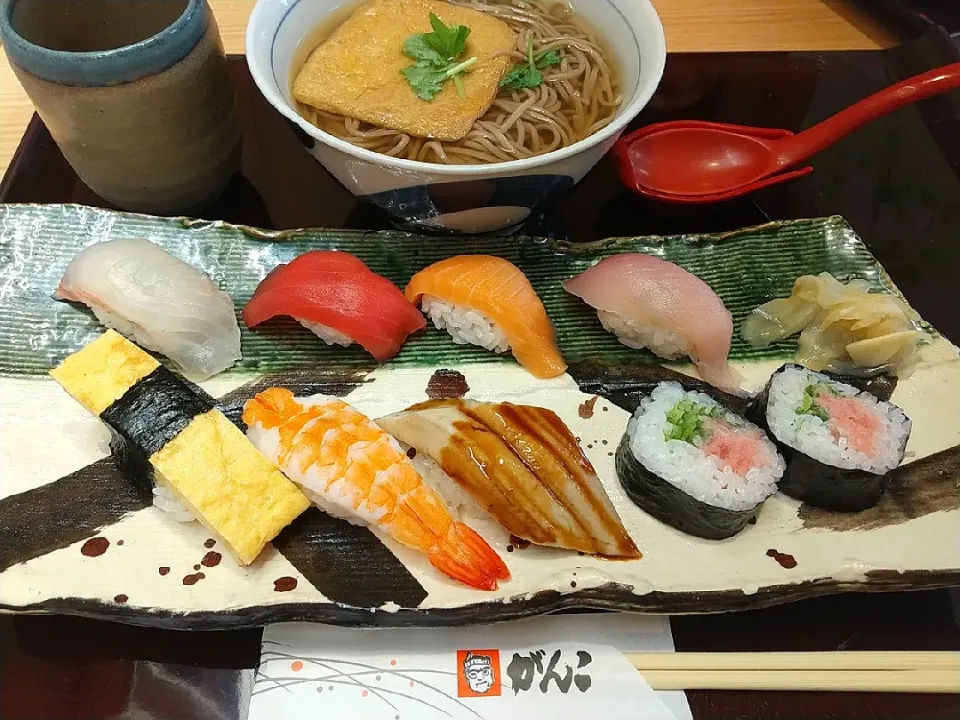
{"x":465,"y":556}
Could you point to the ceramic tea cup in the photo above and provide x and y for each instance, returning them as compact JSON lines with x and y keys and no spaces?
{"x":135,"y":93}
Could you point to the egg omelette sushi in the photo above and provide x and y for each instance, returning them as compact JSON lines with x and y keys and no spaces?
{"x":166,"y":434}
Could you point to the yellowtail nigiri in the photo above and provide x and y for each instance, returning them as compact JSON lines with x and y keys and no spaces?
{"x":351,"y":468}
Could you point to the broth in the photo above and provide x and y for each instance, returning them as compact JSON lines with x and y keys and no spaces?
{"x":578,"y":98}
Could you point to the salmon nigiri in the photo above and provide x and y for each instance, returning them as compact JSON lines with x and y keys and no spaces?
{"x":347,"y":465}
{"x":651,"y":303}
{"x":486,"y":301}
{"x":336,"y":296}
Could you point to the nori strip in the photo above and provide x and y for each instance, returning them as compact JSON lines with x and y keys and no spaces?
{"x":829,"y":487}
{"x":671,"y":505}
{"x":880,"y":385}
{"x":152,"y":412}
{"x":815,"y":482}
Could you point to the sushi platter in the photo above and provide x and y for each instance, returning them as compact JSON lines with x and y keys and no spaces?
{"x":368,"y":428}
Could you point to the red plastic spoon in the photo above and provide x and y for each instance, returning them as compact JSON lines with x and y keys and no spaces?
{"x":700,"y":162}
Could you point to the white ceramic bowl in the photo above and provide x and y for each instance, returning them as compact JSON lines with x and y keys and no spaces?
{"x":456,"y":198}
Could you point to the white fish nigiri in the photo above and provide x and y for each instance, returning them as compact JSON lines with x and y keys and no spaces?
{"x":651,"y":303}
{"x":141,"y":291}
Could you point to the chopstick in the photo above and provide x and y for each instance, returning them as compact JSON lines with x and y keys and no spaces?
{"x":915,"y":672}
{"x":906,"y":681}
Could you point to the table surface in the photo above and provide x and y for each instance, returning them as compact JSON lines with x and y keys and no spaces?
{"x":70,"y":669}
{"x":691,"y":26}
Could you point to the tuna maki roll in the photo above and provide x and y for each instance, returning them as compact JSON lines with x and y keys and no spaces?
{"x":840,"y":443}
{"x":696,"y":465}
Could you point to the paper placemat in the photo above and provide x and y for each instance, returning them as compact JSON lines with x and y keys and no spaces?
{"x":567,"y":666}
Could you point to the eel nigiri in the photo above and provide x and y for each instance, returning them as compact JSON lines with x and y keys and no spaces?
{"x":337,"y":297}
{"x":651,"y":303}
{"x":487,"y":301}
{"x":158,"y":301}
{"x":523,"y":466}
{"x":349,"y":467}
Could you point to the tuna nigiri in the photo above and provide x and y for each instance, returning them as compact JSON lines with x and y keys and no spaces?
{"x":650,"y":303}
{"x":158,"y":301}
{"x":486,"y":301}
{"x":350,"y":467}
{"x":336,"y":296}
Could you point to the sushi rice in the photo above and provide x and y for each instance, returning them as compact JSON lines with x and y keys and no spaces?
{"x":165,"y":500}
{"x":817,"y":438}
{"x":687,"y":466}
{"x":327,"y":334}
{"x":664,"y":343}
{"x":465,"y":325}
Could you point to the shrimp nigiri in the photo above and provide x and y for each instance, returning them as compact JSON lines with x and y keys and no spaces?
{"x":487,"y":301}
{"x":351,"y":468}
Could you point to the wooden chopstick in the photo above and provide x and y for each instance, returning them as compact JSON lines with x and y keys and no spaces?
{"x":848,"y":671}
{"x":907,"y":681}
{"x":839,"y":660}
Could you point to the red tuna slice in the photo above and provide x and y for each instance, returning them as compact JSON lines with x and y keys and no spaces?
{"x":338,"y":290}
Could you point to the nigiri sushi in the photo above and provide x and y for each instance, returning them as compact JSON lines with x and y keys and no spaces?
{"x":337,"y":297}
{"x":651,"y":303}
{"x":158,"y":301}
{"x":167,"y":437}
{"x":351,"y":468}
{"x":487,"y":301}
{"x":521,"y":465}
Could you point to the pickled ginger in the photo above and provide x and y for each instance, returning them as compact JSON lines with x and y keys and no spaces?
{"x":841,"y":325}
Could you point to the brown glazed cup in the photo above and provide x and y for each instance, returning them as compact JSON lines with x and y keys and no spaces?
{"x":135,"y":93}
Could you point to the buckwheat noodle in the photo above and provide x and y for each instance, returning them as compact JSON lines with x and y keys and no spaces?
{"x":578,"y":98}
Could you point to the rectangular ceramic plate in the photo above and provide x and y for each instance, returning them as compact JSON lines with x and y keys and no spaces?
{"x":78,"y":538}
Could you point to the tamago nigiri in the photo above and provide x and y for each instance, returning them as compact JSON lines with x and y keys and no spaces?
{"x":350,"y":467}
{"x":336,"y":296}
{"x":651,"y":303}
{"x":487,"y":301}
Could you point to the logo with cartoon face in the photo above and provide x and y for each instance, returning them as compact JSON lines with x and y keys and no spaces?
{"x":478,"y":673}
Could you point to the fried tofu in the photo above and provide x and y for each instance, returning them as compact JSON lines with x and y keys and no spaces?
{"x":356,"y":72}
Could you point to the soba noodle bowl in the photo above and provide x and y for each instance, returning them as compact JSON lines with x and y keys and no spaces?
{"x":579,"y":97}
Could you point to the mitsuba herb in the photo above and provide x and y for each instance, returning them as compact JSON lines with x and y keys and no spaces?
{"x":527,"y":75}
{"x":808,"y":405}
{"x":436,"y":57}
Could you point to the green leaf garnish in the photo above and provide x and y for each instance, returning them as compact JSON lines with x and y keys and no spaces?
{"x":527,"y":75}
{"x":686,"y":420}
{"x":436,"y":59}
{"x":448,"y":41}
{"x":416,"y":47}
{"x":425,"y":80}
{"x":808,"y":404}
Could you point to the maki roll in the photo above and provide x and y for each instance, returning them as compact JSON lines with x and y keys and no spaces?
{"x":696,"y":465}
{"x":840,"y":443}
